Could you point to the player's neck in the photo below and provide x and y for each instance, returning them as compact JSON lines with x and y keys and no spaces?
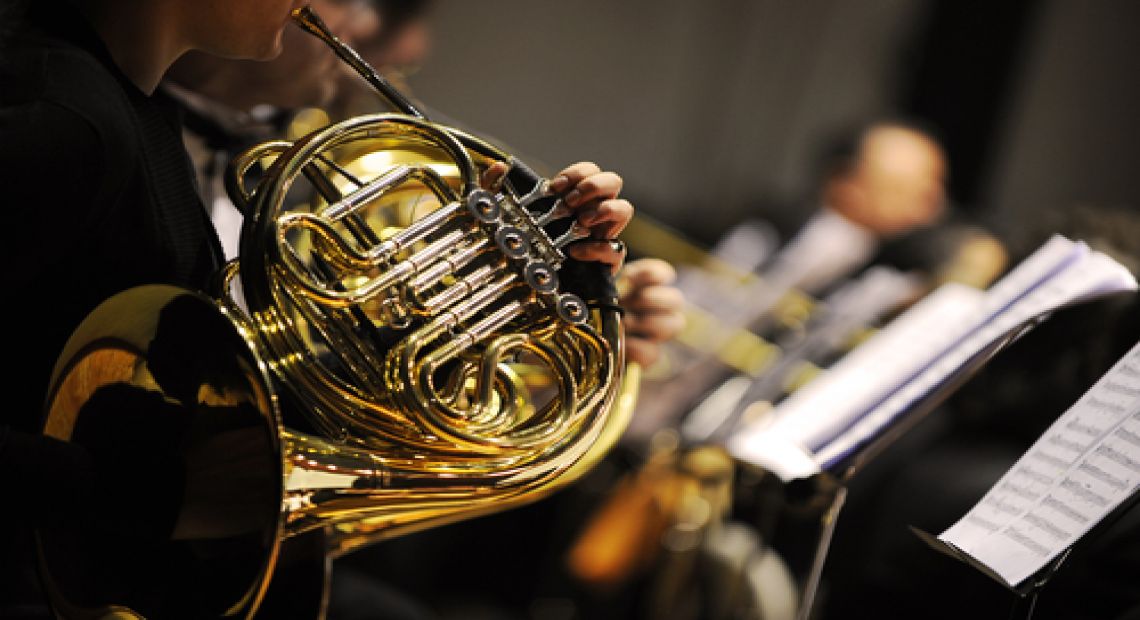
{"x":143,"y":38}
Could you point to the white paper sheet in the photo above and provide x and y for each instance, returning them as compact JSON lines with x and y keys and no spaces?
{"x":869,"y":389}
{"x":815,"y":415}
{"x":862,"y":378}
{"x":1083,"y":467}
{"x":1091,"y":275}
{"x":855,"y":306}
{"x":872,"y":371}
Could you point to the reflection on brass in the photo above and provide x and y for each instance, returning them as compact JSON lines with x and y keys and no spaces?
{"x":668,"y":506}
{"x":622,"y":539}
{"x":403,"y":354}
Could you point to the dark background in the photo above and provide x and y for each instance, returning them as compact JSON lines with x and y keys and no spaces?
{"x":715,"y":110}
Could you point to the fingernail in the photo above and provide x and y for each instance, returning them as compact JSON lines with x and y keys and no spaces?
{"x":572,"y":198}
{"x":559,"y":183}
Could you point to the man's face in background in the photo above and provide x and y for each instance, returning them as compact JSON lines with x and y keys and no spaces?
{"x":897,"y":183}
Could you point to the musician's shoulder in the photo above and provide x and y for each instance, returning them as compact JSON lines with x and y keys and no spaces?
{"x":51,"y":87}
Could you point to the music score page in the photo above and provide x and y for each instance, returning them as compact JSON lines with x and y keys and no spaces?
{"x":838,"y":414}
{"x":1082,"y":468}
{"x":1093,"y":274}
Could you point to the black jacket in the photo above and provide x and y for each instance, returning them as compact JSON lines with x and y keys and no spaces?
{"x":99,"y":197}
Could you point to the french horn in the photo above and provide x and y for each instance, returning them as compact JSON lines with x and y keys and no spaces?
{"x":409,"y":349}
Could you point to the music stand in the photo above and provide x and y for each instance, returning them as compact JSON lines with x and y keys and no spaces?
{"x":1028,"y":590}
{"x":833,"y":487}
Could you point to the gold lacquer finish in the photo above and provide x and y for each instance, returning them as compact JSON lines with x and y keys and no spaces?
{"x":408,"y":349}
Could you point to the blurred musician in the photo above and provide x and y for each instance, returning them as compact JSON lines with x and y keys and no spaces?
{"x":883,"y":201}
{"x":401,"y":47}
{"x":93,"y":159}
{"x":407,"y":38}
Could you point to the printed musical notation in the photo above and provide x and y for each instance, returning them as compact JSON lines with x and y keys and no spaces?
{"x":867,"y":375}
{"x":1059,"y":274}
{"x":1082,"y":468}
{"x":876,"y":385}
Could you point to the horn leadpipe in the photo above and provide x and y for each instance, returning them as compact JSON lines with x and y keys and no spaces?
{"x":312,"y":23}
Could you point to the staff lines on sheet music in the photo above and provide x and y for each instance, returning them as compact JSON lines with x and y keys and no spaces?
{"x":1035,"y":475}
{"x":1069,"y":444}
{"x":1024,"y":540}
{"x":1129,"y":436}
{"x":1120,"y":388}
{"x":1130,"y":370}
{"x":1019,"y":490}
{"x":1118,"y":457}
{"x":1059,"y":506}
{"x":1084,"y":429}
{"x":1002,"y":506}
{"x":1075,"y":283}
{"x":1080,"y":468}
{"x":983,"y":522}
{"x":1084,"y":493}
{"x":1099,"y":474}
{"x":1043,"y":524}
{"x":1052,"y":459}
{"x":1025,"y":286}
{"x":1107,"y":405}
{"x":1081,"y":459}
{"x":1080,"y":491}
{"x":1079,"y":465}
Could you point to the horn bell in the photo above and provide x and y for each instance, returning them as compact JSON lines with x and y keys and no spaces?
{"x":407,"y":350}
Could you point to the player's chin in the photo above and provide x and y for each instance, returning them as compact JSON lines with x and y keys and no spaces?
{"x":266,"y":47}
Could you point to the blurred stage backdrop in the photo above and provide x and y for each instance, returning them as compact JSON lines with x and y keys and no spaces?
{"x":715,"y":110}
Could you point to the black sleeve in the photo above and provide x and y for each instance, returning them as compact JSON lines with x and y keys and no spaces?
{"x":44,"y":476}
{"x":55,"y":179}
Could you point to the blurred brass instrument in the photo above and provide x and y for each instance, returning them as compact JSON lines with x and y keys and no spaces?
{"x":665,"y":528}
{"x":406,"y":352}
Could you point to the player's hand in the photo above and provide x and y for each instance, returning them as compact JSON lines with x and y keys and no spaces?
{"x":654,"y":308}
{"x":593,"y":194}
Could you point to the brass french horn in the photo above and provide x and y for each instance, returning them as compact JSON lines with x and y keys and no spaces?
{"x":409,"y":349}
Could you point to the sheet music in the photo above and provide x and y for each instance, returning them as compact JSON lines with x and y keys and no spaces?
{"x":1082,"y":468}
{"x":858,"y":381}
{"x":817,"y":414}
{"x":861,"y":379}
{"x":869,"y":389}
{"x":1048,"y":260}
{"x":1091,"y":275}
{"x":855,"y":306}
